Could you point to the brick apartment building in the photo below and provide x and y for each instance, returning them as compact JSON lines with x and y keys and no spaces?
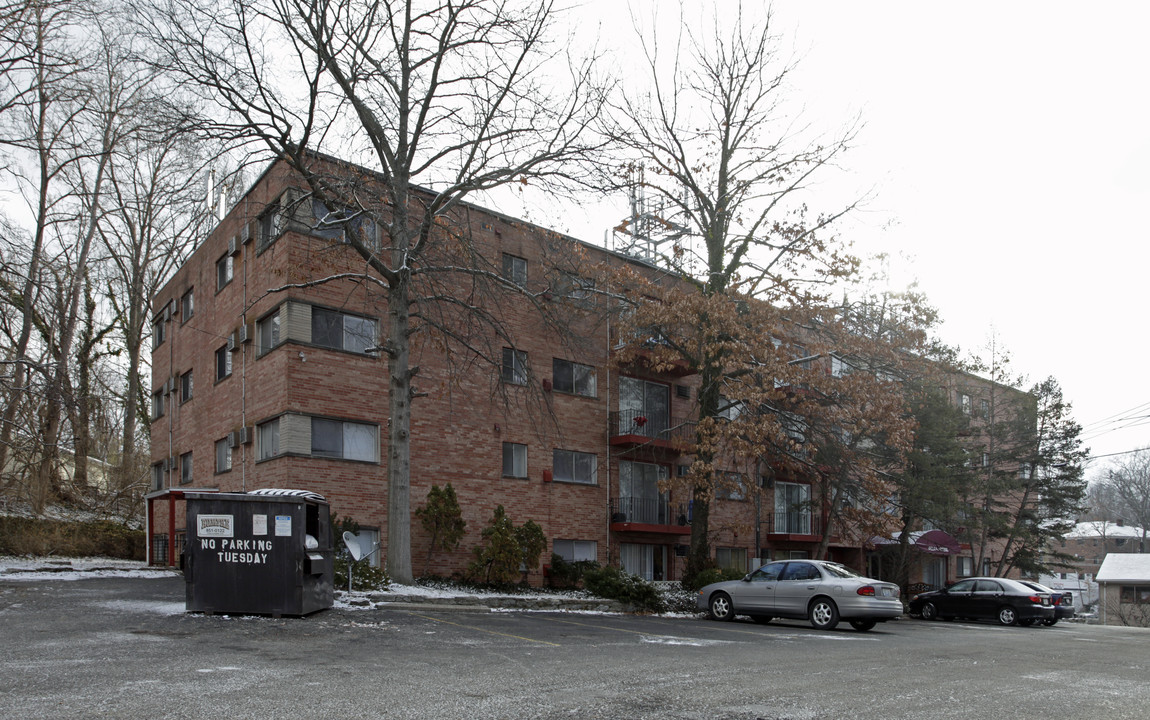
{"x":256,"y":389}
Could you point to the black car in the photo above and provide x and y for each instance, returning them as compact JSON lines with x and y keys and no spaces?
{"x":1007,"y":601}
{"x":1063,"y":602}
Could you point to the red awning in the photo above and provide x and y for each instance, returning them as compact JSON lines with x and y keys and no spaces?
{"x":932,"y":542}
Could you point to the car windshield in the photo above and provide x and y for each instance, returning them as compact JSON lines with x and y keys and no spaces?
{"x":840,"y":571}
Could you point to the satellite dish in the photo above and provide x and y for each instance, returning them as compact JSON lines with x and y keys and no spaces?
{"x":359,"y":547}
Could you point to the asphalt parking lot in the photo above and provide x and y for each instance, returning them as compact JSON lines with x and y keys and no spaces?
{"x":123,"y":647}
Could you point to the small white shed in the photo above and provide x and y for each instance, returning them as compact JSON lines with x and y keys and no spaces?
{"x":1124,"y":589}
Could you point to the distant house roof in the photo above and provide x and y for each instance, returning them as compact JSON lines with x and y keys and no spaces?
{"x":1100,"y":528}
{"x":1124,"y":567}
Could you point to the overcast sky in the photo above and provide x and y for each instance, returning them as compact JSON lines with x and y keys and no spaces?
{"x":1008,"y":148}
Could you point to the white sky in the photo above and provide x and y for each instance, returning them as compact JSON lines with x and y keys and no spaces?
{"x":1008,"y":147}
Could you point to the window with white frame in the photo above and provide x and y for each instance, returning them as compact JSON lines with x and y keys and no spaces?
{"x":1025,"y":471}
{"x":223,"y":456}
{"x":225,"y":269}
{"x":341,"y":331}
{"x":839,"y":368}
{"x":268,"y":330}
{"x":514,"y":460}
{"x":576,"y":467}
{"x":344,"y":440}
{"x":185,"y":468}
{"x":576,"y":550}
{"x":965,"y":403}
{"x":572,"y":377}
{"x":268,"y":439}
{"x":515,"y":269}
{"x":223,"y":363}
{"x":984,"y":406}
{"x":514,"y":366}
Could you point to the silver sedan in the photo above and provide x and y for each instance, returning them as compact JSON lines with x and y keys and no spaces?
{"x":816,"y":590}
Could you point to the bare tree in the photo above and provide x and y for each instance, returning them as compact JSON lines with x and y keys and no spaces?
{"x":1127,"y":486}
{"x":719,"y":154}
{"x":443,"y":100}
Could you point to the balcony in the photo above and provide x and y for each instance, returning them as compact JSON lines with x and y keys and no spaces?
{"x":634,"y":427}
{"x":796,"y":526}
{"x":630,"y":514}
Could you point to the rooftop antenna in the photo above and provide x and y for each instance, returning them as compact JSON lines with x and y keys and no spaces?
{"x":647,"y":230}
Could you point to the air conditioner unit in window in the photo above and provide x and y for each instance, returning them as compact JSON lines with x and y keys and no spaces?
{"x":232,"y":344}
{"x":246,"y":233}
{"x":167,"y":314}
{"x":170,"y":386}
{"x":246,"y":333}
{"x":233,"y":439}
{"x":173,"y":464}
{"x":173,"y":307}
{"x":233,"y":246}
{"x":247,"y":434}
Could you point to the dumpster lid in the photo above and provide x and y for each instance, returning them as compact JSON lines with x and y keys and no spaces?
{"x":293,"y":493}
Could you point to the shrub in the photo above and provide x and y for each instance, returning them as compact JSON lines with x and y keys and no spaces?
{"x":97,"y":538}
{"x":442,"y":518}
{"x":364,"y":577}
{"x":506,"y":549}
{"x":565,"y":574}
{"x":611,"y":582}
{"x":710,"y":575}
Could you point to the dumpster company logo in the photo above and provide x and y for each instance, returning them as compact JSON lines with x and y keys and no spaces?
{"x":215,"y":525}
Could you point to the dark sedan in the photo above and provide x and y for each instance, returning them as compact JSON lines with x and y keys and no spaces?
{"x":1007,"y":601}
{"x":1063,"y":602}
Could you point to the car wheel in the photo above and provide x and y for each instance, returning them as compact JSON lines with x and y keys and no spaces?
{"x":1007,"y":615}
{"x":1050,"y":622}
{"x":762,"y":619}
{"x":929,"y":611}
{"x":721,"y":607}
{"x":823,"y":614}
{"x":1026,"y":623}
{"x":863,"y":625}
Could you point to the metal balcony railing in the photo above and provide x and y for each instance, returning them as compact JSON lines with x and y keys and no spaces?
{"x":794,"y":523}
{"x":655,"y":427}
{"x":647,"y":511}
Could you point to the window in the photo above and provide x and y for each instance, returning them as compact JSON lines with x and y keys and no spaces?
{"x":1024,"y":471}
{"x":1135,"y":594}
{"x":986,"y":459}
{"x":187,"y":307}
{"x":158,"y":476}
{"x":986,"y":566}
{"x":185,"y":468}
{"x":838,"y":367}
{"x":801,"y":571}
{"x":576,"y":467}
{"x":571,"y":377}
{"x":514,"y":460}
{"x":159,"y":333}
{"x":268,"y":330}
{"x":644,"y":407}
{"x":514,"y":366}
{"x":186,"y":387}
{"x":334,"y":225}
{"x":733,"y":487}
{"x":336,"y":330}
{"x":640,"y":499}
{"x":343,"y":440}
{"x":731,"y":558}
{"x":515,"y":269}
{"x":270,"y":226}
{"x":964,"y":402}
{"x":729,"y":409}
{"x":225,"y":268}
{"x":576,"y":550}
{"x":965,"y":566}
{"x":268,"y":439}
{"x":223,"y":363}
{"x":985,"y":408}
{"x":223,"y":456}
{"x":572,"y":286}
{"x":157,"y":404}
{"x":792,"y":508}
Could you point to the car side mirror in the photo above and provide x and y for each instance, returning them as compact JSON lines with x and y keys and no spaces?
{"x":747,"y":577}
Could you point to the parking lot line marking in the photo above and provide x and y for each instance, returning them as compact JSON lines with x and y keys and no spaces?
{"x":624,"y":630}
{"x":484,"y":630}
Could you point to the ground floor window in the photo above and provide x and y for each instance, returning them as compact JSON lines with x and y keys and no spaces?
{"x":1136,"y":594}
{"x":965,"y":566}
{"x":732,"y":559}
{"x":576,"y":550}
{"x":647,"y":561}
{"x":934,"y":571}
